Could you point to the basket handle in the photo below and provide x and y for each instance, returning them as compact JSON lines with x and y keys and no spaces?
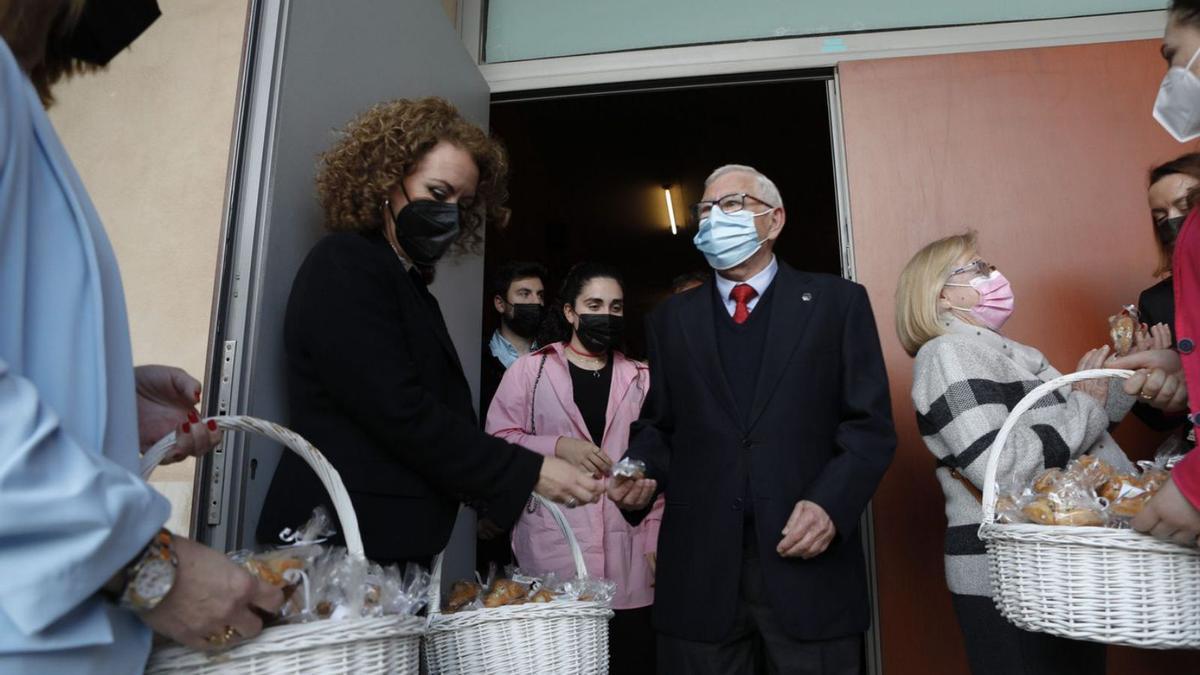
{"x":990,"y":487}
{"x":435,"y":583}
{"x":294,"y":442}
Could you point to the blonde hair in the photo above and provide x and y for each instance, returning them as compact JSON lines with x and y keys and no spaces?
{"x":920,"y":286}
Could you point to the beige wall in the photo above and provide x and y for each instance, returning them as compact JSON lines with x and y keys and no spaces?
{"x":151,"y":139}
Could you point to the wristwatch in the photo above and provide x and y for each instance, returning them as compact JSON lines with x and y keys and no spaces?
{"x":150,"y":576}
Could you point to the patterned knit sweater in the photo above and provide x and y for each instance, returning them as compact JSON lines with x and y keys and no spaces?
{"x":964,"y":385}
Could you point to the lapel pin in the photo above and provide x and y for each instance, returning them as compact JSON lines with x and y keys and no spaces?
{"x":806,"y":297}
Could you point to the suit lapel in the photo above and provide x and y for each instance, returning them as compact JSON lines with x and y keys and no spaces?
{"x":421,"y":296}
{"x":699,"y":328}
{"x":792,"y":308}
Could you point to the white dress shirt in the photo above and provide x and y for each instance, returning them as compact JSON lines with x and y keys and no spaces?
{"x":759,"y":282}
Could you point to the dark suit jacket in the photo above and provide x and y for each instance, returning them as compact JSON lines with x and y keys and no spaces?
{"x":491,"y":371}
{"x":820,"y":429}
{"x":374,"y":382}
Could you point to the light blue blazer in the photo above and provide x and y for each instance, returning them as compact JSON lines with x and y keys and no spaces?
{"x":72,"y":509}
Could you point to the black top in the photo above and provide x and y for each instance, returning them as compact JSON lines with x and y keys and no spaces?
{"x":819,"y":429}
{"x":374,"y":381}
{"x":1157,"y":305}
{"x":591,"y":389}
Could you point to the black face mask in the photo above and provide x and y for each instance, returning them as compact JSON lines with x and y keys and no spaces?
{"x":1167,"y":230}
{"x":599,"y":332}
{"x":526,"y":318}
{"x":108,"y":26}
{"x":426,"y":229}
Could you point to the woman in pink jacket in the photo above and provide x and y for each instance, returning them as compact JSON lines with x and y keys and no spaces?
{"x":575,"y":399}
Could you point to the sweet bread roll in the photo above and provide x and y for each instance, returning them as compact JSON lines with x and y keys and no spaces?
{"x":1091,"y":471}
{"x":271,"y":570}
{"x":505,"y":592}
{"x":1046,"y":481}
{"x":1040,"y":510}
{"x":1130,"y":506}
{"x":462,"y":593}
{"x":1090,"y":517}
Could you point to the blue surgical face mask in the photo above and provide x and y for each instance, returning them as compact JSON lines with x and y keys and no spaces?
{"x":728,"y":240}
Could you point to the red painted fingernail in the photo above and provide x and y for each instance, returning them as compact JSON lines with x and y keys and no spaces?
{"x":187,"y":428}
{"x":212,"y":425}
{"x":193,"y":417}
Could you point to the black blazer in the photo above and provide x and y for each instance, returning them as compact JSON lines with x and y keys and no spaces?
{"x":491,"y":371}
{"x":820,"y":429}
{"x":375,"y":383}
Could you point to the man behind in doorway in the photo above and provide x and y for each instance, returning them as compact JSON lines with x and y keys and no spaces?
{"x":768,"y":425}
{"x":519,"y":295}
{"x":686,"y":282}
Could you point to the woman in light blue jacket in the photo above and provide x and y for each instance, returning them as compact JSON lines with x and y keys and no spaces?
{"x":73,"y":511}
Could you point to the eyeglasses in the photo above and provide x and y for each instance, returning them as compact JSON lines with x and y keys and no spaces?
{"x":978,"y":268}
{"x":729,"y":205}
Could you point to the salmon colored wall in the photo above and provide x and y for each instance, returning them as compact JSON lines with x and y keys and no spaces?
{"x":1045,"y":153}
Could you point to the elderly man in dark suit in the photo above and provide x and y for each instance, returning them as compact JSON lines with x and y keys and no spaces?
{"x":768,"y":425}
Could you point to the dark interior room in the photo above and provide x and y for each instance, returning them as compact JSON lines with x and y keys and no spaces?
{"x":589,"y":175}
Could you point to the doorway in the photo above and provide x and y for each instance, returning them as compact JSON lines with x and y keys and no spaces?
{"x":591,"y":170}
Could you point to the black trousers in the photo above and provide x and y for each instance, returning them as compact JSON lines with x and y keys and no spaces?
{"x":757,"y":643}
{"x":996,"y":647}
{"x":631,"y":642}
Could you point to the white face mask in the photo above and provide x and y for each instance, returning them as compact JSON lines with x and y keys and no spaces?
{"x":1177,"y":107}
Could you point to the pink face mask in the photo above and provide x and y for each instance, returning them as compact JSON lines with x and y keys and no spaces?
{"x":995,"y":300}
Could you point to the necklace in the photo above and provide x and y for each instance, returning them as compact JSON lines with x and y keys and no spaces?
{"x":588,"y":359}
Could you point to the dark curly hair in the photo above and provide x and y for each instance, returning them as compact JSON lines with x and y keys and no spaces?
{"x":384,"y":143}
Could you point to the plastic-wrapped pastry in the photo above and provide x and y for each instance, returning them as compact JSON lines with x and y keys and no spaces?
{"x":630,"y":468}
{"x":541,"y":596}
{"x":462,"y":594}
{"x":1122,"y":328}
{"x":506,"y":592}
{"x":1046,"y":481}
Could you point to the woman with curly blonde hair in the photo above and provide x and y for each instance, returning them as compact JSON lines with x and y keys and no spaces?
{"x":373,"y":377}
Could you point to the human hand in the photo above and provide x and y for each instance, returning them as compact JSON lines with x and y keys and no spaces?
{"x":1169,"y":515}
{"x":1146,"y":338}
{"x":631,"y":494}
{"x":166,"y":402}
{"x":560,"y":481}
{"x":807,"y":533}
{"x":652,"y":560}
{"x":211,"y":595}
{"x":1097,"y":389}
{"x":1154,"y":359}
{"x":584,"y":455}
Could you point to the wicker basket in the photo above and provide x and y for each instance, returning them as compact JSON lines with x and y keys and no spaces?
{"x":1088,"y":583}
{"x":365,"y":646}
{"x":564,"y":636}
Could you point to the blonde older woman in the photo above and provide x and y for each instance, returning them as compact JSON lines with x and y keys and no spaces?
{"x":951,"y":305}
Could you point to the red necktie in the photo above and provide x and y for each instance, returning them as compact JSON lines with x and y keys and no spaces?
{"x":742,"y":294}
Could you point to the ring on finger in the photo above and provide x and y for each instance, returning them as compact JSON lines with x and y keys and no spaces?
{"x":222,"y":639}
{"x":571,"y":503}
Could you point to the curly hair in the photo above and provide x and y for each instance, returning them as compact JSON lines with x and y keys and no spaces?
{"x":383,"y":144}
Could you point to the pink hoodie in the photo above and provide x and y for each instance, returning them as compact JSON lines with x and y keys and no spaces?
{"x":611,"y":547}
